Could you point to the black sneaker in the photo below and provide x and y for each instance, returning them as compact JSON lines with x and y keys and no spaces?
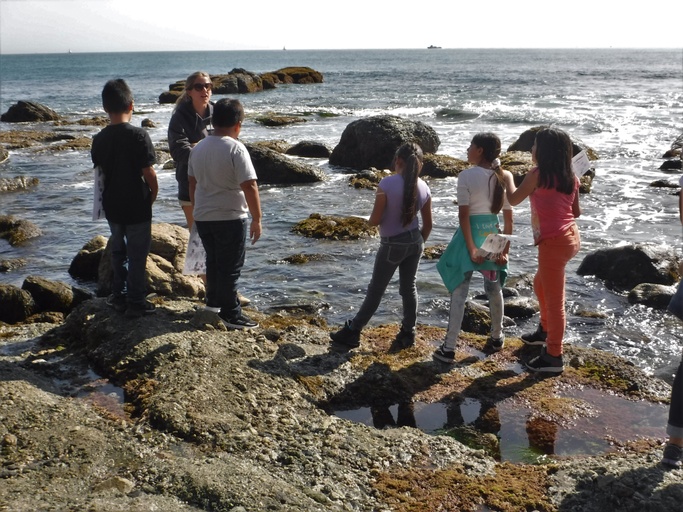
{"x":545,"y":363}
{"x":404,"y":338}
{"x":443,"y":355}
{"x":672,"y":456}
{"x":345,"y":338}
{"x":494,"y":344}
{"x":138,"y":309}
{"x":241,"y":322}
{"x":117,"y":301}
{"x":537,"y":337}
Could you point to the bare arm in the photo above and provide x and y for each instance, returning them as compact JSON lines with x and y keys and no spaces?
{"x":378,"y":208}
{"x":250,"y":189}
{"x":517,"y":195}
{"x":193,"y":187}
{"x":426,"y":213}
{"x":576,"y":207}
{"x":151,"y":179}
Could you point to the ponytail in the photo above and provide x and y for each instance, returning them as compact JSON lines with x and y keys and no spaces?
{"x":499,"y":186}
{"x":412,"y":156}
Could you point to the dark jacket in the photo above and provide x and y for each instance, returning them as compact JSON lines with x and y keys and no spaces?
{"x":186,"y":128}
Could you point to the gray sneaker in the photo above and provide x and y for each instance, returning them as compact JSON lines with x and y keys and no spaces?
{"x":444,"y":355}
{"x":672,"y":456}
{"x":138,"y":309}
{"x":494,"y":344}
{"x":545,"y":363}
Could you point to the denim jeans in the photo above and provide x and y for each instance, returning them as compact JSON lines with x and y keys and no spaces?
{"x":675,"y":424}
{"x":224,"y":243}
{"x":130,"y":244}
{"x":458,"y":298}
{"x":403,"y":252}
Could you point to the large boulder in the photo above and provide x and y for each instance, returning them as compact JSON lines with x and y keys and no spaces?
{"x":275,"y":168}
{"x":241,"y":81}
{"x":309,"y":149}
{"x":17,"y":231}
{"x":164,"y":265}
{"x":17,"y":183}
{"x":625,"y":267}
{"x":17,"y":304}
{"x":29,"y":111}
{"x":372,"y":141}
{"x":86,"y":263}
{"x":526,"y":141}
{"x":54,"y":295}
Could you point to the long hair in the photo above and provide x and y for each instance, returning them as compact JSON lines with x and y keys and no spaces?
{"x":554,"y":158}
{"x":411,"y":154}
{"x":189,"y":82}
{"x":490,"y":144}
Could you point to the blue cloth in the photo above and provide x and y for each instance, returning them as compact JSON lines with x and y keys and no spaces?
{"x":456,"y":261}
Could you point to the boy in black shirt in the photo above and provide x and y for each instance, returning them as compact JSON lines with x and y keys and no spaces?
{"x":126,"y":156}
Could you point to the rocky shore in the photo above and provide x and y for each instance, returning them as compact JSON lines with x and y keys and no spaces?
{"x":244,"y":421}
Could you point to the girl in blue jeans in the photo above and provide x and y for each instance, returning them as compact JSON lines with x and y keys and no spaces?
{"x":398,"y":200}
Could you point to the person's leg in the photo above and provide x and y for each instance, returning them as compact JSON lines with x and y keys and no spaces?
{"x":119,"y":257}
{"x":138,"y":242}
{"x":553,"y":256}
{"x":407,"y":272}
{"x":382,"y":273}
{"x":457,"y":313}
{"x":673,"y":451}
{"x":675,"y":424}
{"x":207,"y":236}
{"x":494,"y":292}
{"x":229,"y":243}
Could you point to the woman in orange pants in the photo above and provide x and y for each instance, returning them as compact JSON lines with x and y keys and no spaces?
{"x":553,"y":192}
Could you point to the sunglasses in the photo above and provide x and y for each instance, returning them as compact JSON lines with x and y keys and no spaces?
{"x":201,"y":87}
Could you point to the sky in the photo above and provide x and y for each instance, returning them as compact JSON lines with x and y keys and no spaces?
{"x":49,"y":26}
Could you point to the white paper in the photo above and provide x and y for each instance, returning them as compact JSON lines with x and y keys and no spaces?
{"x":493,"y":245}
{"x":195,"y":258}
{"x":581,"y":164}
{"x":98,"y":190}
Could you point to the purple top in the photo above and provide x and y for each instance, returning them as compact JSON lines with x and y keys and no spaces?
{"x":392,"y":186}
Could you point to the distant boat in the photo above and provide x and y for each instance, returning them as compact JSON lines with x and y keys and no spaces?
{"x":432,"y":47}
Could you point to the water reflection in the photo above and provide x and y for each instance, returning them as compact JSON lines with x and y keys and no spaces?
{"x":526,"y":435}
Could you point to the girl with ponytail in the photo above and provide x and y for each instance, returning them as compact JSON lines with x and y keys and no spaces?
{"x":399,"y":199}
{"x":481,"y":196}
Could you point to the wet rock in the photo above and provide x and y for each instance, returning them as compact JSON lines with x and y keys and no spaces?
{"x":54,"y":295}
{"x":278,"y":120}
{"x":671,"y":165}
{"x":627,"y":266}
{"x":12,"y":264}
{"x":372,"y":141}
{"x":277,"y":145}
{"x":17,"y":231}
{"x":148,"y":123}
{"x":275,"y":168}
{"x":17,"y":304}
{"x":300,"y":259}
{"x":333,"y":227}
{"x":442,"y":166}
{"x":368,"y":178}
{"x":520,"y":307}
{"x":309,"y":149}
{"x":29,"y":111}
{"x":655,"y":296}
{"x":17,"y":183}
{"x":4,"y":154}
{"x":87,"y":261}
{"x":526,"y":141}
{"x":241,"y":81}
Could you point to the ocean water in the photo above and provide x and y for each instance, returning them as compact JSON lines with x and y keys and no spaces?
{"x":626,"y":104}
